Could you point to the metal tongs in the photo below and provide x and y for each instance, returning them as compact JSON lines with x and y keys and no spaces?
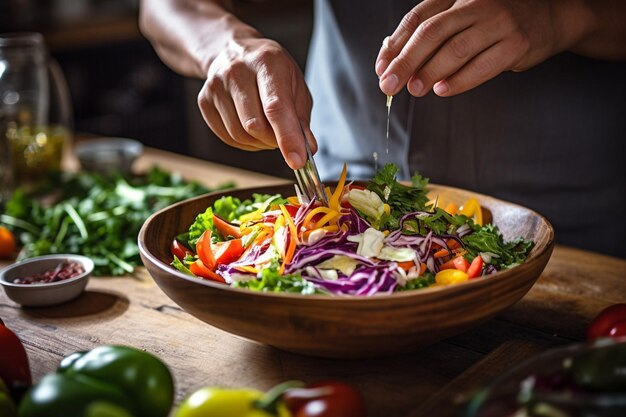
{"x":309,"y":185}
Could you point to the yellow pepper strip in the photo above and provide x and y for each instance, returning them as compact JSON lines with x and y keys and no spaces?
{"x":451,"y":208}
{"x":327,"y":218}
{"x":333,"y":201}
{"x":247,"y":268}
{"x":317,"y":210}
{"x":293,"y":239}
{"x":472,"y":208}
{"x":252,"y":216}
{"x":264,"y":234}
{"x":293,"y":200}
{"x":451,"y":277}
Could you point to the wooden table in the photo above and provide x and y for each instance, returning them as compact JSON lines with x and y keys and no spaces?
{"x":435,"y":381}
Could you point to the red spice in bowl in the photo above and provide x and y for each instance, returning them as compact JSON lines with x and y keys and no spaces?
{"x":63,"y":270}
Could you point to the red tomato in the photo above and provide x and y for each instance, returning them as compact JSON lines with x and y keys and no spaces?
{"x":228,"y":251}
{"x":612,"y":317}
{"x":456,"y":263}
{"x":226,"y":229}
{"x":476,"y":267}
{"x":326,"y":399}
{"x":179,"y":250}
{"x":14,"y":369}
{"x":205,"y":251}
{"x":618,"y":329}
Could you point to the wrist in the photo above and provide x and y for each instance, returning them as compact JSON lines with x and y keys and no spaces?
{"x":573,"y":22}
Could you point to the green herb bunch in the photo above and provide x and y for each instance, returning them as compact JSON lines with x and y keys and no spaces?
{"x":94,"y":215}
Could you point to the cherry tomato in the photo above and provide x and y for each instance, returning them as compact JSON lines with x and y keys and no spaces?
{"x":618,"y":329}
{"x":179,"y":250}
{"x":459,"y":263}
{"x":450,"y":277}
{"x":14,"y":369}
{"x":610,"y":322}
{"x":476,"y":267}
{"x":325,"y":399}
{"x":7,"y":243}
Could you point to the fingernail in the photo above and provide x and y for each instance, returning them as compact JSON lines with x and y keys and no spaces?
{"x":389,"y":84}
{"x":381,"y":66}
{"x":294,"y":161}
{"x":441,"y":88}
{"x":416,"y":86}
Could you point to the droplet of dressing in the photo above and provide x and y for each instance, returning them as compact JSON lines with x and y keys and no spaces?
{"x":389,"y":100}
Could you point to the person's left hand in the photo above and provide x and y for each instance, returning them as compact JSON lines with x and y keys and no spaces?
{"x":452,"y":46}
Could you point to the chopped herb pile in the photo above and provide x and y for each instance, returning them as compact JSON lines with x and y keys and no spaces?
{"x":94,"y":215}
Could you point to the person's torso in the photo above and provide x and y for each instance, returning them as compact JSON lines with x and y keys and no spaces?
{"x":551,"y":138}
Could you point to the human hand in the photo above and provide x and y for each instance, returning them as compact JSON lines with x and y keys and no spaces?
{"x":453,"y":46}
{"x":255,"y":98}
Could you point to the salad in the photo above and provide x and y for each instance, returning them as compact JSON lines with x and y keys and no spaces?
{"x":381,"y":237}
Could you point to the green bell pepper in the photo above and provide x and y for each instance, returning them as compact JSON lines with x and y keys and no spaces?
{"x":108,"y":381}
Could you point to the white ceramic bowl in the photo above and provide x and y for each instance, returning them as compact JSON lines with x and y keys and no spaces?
{"x":107,"y":155}
{"x":44,"y":294}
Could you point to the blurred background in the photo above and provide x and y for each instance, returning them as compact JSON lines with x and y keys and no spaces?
{"x":118,"y":85}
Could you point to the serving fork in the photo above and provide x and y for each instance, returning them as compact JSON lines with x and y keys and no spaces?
{"x":309,"y":185}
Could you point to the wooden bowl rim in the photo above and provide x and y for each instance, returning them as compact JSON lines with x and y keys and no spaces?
{"x":534,"y":256}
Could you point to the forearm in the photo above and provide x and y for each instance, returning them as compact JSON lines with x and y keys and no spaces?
{"x":593,"y":28}
{"x":188,"y":34}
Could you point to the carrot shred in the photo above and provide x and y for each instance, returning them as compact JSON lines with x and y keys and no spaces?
{"x":293,"y":239}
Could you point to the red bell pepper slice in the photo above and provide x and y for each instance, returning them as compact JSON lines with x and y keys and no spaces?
{"x":226,"y":229}
{"x":199,"y":269}
{"x":228,"y":251}
{"x":205,"y":251}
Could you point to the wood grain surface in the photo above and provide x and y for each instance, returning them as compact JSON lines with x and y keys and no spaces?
{"x":433,"y":381}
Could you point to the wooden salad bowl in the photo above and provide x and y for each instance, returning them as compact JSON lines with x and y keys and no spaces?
{"x":347,"y":326}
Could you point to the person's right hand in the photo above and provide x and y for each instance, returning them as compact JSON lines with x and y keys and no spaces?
{"x":255,"y":98}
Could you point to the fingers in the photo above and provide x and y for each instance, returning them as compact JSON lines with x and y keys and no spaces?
{"x":480,"y":69}
{"x":255,"y":98}
{"x":452,"y":56}
{"x":279,"y":101}
{"x":393,"y":45}
{"x":213,"y":119}
{"x":452,"y":46}
{"x":425,"y":41}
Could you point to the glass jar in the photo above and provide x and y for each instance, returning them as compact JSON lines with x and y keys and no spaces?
{"x":35,"y":111}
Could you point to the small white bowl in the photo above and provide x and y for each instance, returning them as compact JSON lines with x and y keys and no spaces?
{"x":108,"y":155}
{"x":44,"y":294}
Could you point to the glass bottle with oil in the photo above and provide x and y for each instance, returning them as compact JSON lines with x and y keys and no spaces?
{"x":35,"y":111}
